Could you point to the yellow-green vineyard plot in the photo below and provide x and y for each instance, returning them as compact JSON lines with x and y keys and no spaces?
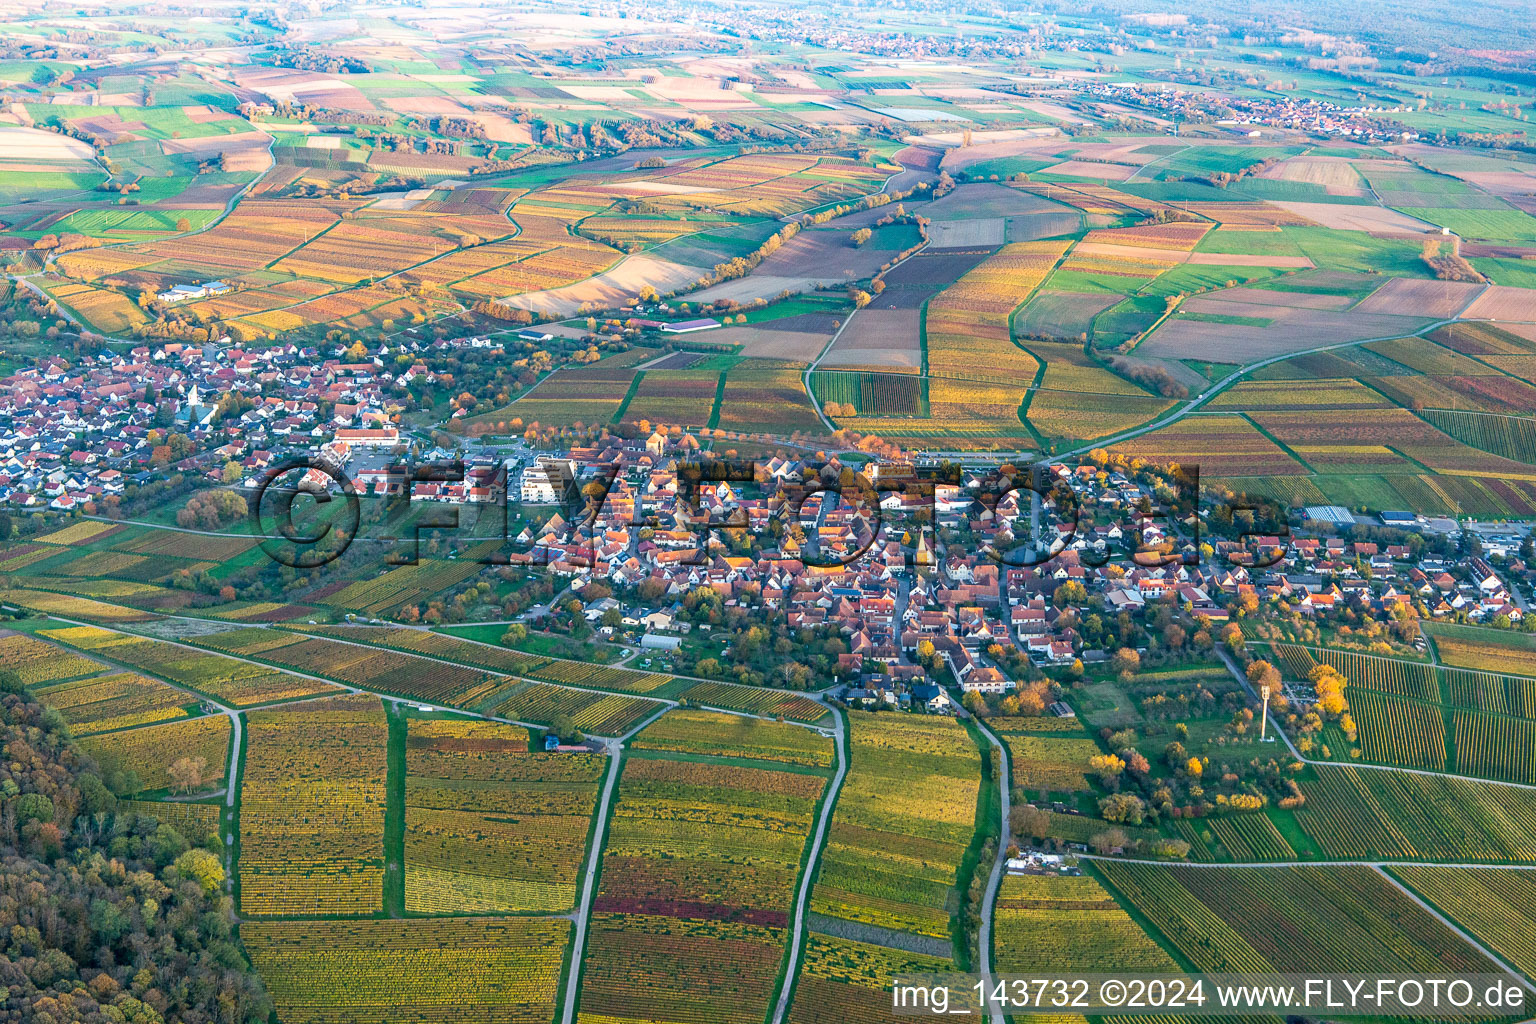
{"x":37,"y":662}
{"x":1490,"y":691}
{"x":604,"y":714}
{"x":696,"y":731}
{"x":77,"y":533}
{"x":756,"y":700}
{"x":1051,"y":762}
{"x":69,"y":606}
{"x":312,"y":811}
{"x":1337,"y":919}
{"x":235,"y":683}
{"x":1062,"y":923}
{"x":847,"y":982}
{"x":1485,"y":650}
{"x":465,"y":970}
{"x":1250,"y":837}
{"x":117,"y":701}
{"x":698,"y":877}
{"x":1397,"y":731}
{"x":1498,"y":907}
{"x":489,"y":826}
{"x":149,"y":752}
{"x":904,"y":817}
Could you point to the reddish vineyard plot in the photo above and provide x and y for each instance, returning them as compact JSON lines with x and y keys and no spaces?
{"x":697,"y":880}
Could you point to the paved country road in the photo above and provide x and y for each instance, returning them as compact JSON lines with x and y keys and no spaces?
{"x":589,"y":881}
{"x":828,"y":805}
{"x":999,"y":863}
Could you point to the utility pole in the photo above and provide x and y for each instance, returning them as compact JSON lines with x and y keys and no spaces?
{"x":1264,"y":715}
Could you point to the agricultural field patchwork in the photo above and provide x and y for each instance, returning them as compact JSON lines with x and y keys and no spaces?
{"x":558,"y":764}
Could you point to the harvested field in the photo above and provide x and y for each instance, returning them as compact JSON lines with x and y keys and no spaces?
{"x":1248,"y":331}
{"x":967,"y":234}
{"x":983,"y":149}
{"x":1373,"y":219}
{"x":675,"y":361}
{"x":610,"y":288}
{"x":34,"y":144}
{"x":1027,"y":216}
{"x":1474,"y":250}
{"x":913,"y":282}
{"x":1062,"y":314}
{"x":1223,"y":259}
{"x":1409,"y":297}
{"x":1335,"y":174}
{"x":1502,"y":302}
{"x":1084,"y":169}
{"x":920,"y":158}
{"x":213,"y":145}
{"x":755,"y":286}
{"x":1268,"y":299}
{"x":764,"y":342}
{"x":826,"y":253}
{"x":879,"y":337}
